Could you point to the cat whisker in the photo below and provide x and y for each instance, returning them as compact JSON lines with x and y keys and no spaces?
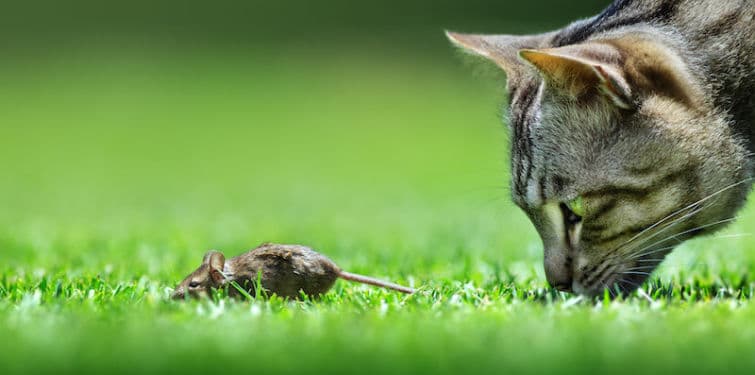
{"x":685,"y":212}
{"x":640,"y":253}
{"x":695,"y":208}
{"x":702,"y":200}
{"x":662,"y":229}
{"x":636,"y":253}
{"x":646,"y":230}
{"x":651,"y":260}
{"x":735,"y":235}
{"x":640,"y":268}
{"x":667,"y":227}
{"x":635,"y":273}
{"x":611,"y":291}
{"x":621,"y":282}
{"x":655,"y":251}
{"x":644,"y":295}
{"x":692,"y":210}
{"x":630,"y":282}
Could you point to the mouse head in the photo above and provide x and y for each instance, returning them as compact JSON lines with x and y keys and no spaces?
{"x":209,"y":275}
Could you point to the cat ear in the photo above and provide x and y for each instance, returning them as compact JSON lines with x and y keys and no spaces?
{"x":580,"y":69}
{"x":501,"y":49}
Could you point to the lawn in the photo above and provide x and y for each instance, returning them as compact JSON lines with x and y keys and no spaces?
{"x":120,"y":169}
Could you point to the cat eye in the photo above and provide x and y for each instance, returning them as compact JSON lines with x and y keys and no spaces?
{"x":576,"y":206}
{"x":573,"y":211}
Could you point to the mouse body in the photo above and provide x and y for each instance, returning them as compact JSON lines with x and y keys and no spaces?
{"x":286,"y":270}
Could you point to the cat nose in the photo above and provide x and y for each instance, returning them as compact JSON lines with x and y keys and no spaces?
{"x":558,"y":272}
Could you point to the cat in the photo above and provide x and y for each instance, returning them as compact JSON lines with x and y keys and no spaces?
{"x":631,"y":132}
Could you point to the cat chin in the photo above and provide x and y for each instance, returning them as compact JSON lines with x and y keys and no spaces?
{"x":578,"y":289}
{"x":582,"y":290}
{"x":615,"y":286}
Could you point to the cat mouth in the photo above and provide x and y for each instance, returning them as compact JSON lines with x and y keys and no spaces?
{"x":619,"y":280}
{"x":614,"y":285}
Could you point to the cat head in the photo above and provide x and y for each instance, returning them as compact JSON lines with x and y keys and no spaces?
{"x":617,"y":154}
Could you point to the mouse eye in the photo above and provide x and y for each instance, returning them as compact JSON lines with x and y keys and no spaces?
{"x":193,"y":284}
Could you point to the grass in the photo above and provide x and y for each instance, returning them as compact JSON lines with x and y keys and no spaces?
{"x":121,"y":169}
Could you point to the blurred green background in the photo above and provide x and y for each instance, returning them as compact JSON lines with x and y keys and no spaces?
{"x":313,"y":114}
{"x":136,"y":135}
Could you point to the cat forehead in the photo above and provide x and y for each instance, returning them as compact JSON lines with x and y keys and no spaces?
{"x":539,"y":118}
{"x":557,"y":147}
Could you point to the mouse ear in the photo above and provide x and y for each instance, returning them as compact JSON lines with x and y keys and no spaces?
{"x":213,"y":257}
{"x":215,"y":260}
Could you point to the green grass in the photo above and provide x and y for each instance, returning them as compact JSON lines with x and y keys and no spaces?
{"x":121,"y":169}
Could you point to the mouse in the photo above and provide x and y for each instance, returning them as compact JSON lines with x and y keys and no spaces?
{"x":286,"y":270}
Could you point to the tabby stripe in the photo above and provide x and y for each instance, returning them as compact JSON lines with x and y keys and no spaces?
{"x":592,"y":230}
{"x":522,"y":143}
{"x":590,"y":271}
{"x":559,"y":183}
{"x":541,"y":183}
{"x":529,"y":114}
{"x":635,"y":192}
{"x":597,"y":274}
{"x":722,"y":25}
{"x":604,"y":209}
{"x":584,"y":31}
{"x":664,"y":13}
{"x":593,"y":227}
{"x":626,"y":232}
{"x":634,"y":229}
{"x":684,"y":173}
{"x":611,"y":18}
{"x":592,"y":235}
{"x":638,"y":193}
{"x":641,"y":171}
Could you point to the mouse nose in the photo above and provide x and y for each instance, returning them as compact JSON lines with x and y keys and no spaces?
{"x":177,"y":294}
{"x":558,"y":272}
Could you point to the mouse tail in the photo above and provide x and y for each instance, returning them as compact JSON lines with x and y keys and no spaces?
{"x":371,"y":281}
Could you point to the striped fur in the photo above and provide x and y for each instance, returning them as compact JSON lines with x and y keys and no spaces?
{"x":646,"y":112}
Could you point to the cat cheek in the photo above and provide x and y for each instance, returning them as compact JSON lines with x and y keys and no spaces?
{"x":575,"y":234}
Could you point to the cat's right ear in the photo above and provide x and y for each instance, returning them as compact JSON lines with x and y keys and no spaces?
{"x":501,"y":49}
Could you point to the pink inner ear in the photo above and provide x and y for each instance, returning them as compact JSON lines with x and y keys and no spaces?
{"x":217,"y":276}
{"x":217,"y":260}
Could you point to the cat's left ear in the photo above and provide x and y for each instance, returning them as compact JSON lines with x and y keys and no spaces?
{"x":500,"y":48}
{"x":581,"y":69}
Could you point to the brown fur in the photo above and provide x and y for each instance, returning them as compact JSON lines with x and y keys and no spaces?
{"x":288,"y":271}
